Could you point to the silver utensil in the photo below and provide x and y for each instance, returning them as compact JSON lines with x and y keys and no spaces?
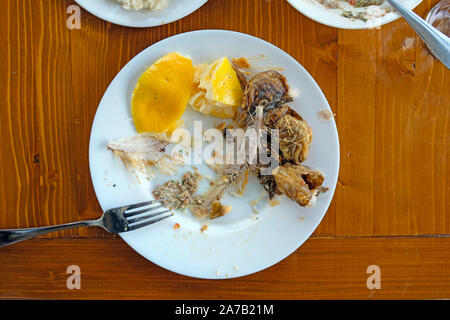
{"x":437,"y":42}
{"x":117,"y":220}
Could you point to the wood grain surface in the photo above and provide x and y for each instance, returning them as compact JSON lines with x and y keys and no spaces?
{"x":391,"y":101}
{"x":323,"y":268}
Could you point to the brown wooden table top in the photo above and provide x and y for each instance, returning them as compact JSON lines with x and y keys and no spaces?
{"x":390,"y":209}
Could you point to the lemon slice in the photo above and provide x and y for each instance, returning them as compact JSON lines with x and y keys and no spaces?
{"x":217,"y":90}
{"x":225,"y":84}
{"x":162,"y":93}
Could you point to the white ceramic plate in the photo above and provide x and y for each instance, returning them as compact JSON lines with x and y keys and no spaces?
{"x":112,"y":11}
{"x":333,"y":18}
{"x":239,"y":243}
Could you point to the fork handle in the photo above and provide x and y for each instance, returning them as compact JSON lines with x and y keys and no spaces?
{"x":437,"y":42}
{"x":10,"y":236}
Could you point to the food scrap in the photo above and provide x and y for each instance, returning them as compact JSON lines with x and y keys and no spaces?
{"x":363,"y":10}
{"x":241,"y":62}
{"x":143,"y":4}
{"x":218,"y":210}
{"x":178,"y":195}
{"x":228,"y":178}
{"x":325,"y":115}
{"x":299,"y":183}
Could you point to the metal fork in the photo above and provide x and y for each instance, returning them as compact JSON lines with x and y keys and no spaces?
{"x":117,"y":220}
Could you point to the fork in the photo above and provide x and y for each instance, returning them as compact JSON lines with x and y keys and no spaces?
{"x":116,"y":220}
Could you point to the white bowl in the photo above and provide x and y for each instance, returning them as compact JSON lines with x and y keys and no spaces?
{"x":333,"y":18}
{"x":112,"y":11}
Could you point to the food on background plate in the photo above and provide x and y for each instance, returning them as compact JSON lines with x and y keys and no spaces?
{"x":363,"y":10}
{"x":143,"y":4}
{"x":217,"y":90}
{"x":162,"y":93}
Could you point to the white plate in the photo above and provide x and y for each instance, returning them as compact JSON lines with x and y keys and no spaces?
{"x":236,"y":244}
{"x":333,"y":18}
{"x":112,"y":11}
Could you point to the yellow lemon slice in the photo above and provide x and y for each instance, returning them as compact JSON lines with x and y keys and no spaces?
{"x":217,"y":90}
{"x":162,"y":93}
{"x":226,"y":86}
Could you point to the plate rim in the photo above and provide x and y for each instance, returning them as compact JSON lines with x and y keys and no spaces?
{"x":395,"y":16}
{"x":333,"y":123}
{"x":140,"y":25}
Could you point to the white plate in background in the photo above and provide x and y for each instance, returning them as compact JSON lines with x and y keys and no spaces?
{"x":333,"y":18}
{"x":236,"y":244}
{"x":112,"y":11}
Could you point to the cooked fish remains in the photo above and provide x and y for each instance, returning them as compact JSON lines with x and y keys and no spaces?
{"x":179,"y":195}
{"x":295,"y":136}
{"x":264,"y":109}
{"x":228,"y":178}
{"x":270,"y":91}
{"x":299,"y":183}
{"x":144,"y":153}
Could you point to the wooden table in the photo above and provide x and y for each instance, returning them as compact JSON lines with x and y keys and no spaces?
{"x":390,"y":209}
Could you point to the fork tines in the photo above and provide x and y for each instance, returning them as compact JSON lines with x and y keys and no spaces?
{"x":151,"y":209}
